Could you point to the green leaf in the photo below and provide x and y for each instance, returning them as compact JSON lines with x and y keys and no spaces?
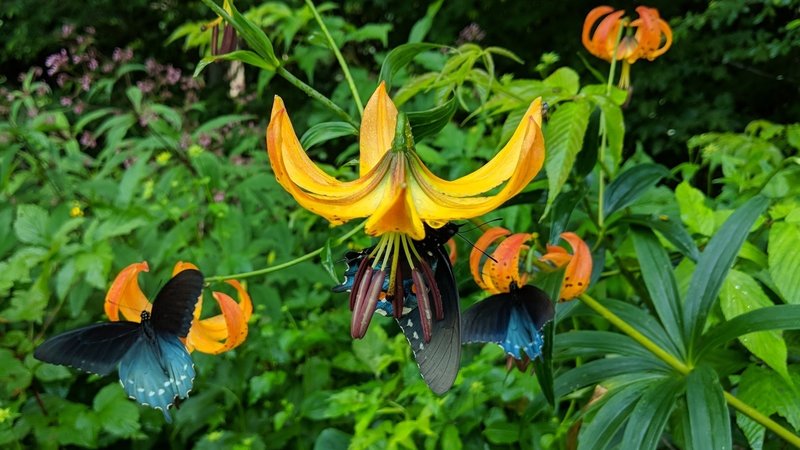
{"x":327,"y":261}
{"x":694,"y":212}
{"x":630,"y":185}
{"x":332,"y":439}
{"x":590,"y":344}
{"x":564,"y":135}
{"x":782,"y":317}
{"x":714,"y":264}
{"x":609,"y":417}
{"x":599,"y":370}
{"x":740,"y":294}
{"x":660,"y":281}
{"x":502,"y":432}
{"x":245,"y":56}
{"x":325,"y":131}
{"x":423,"y":25}
{"x":650,"y":415}
{"x":253,"y":35}
{"x":431,"y":121}
{"x":400,"y":57}
{"x":784,"y":260}
{"x":219,"y":122}
{"x":15,"y":377}
{"x":31,"y":225}
{"x":116,"y":413}
{"x":130,"y":182}
{"x":564,"y":205}
{"x":769,"y":393}
{"x":135,"y":96}
{"x":565,"y":82}
{"x":709,"y":421}
{"x":672,"y":230}
{"x":543,"y":366}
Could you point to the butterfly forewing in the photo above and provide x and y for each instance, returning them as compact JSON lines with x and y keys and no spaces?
{"x":96,"y":348}
{"x":537,"y":303}
{"x":487,"y":320}
{"x":175,"y":302}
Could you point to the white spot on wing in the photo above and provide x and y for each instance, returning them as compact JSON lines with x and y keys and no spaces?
{"x":151,"y":393}
{"x":161,"y":392}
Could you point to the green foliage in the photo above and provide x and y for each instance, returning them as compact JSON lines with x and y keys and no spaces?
{"x":112,"y":159}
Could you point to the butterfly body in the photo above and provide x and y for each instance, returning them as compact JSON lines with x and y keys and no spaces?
{"x":154,"y":366}
{"x":513,"y":320}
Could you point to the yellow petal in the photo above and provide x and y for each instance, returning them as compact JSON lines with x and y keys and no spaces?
{"x":125,"y":294}
{"x":205,"y":335}
{"x":442,"y":200}
{"x":377,"y":129}
{"x":504,"y":164}
{"x":396,"y":213}
{"x":315,"y":190}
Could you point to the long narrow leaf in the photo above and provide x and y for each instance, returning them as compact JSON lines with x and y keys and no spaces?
{"x":709,"y":420}
{"x":660,"y":281}
{"x":713,"y":267}
{"x":650,"y":416}
{"x":672,"y":230}
{"x":630,"y":185}
{"x":253,"y":35}
{"x":587,"y":344}
{"x":782,"y":317}
{"x":602,"y":369}
{"x":400,"y":56}
{"x":609,"y":417}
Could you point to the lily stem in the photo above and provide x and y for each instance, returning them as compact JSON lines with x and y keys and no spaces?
{"x":282,"y":266}
{"x":339,"y":57}
{"x":316,"y":95}
{"x":684,"y":369}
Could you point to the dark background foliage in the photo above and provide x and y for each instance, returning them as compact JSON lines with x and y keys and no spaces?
{"x":731,"y":60}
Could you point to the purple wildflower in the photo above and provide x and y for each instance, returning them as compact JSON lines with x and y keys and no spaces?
{"x":87,"y":140}
{"x":55,"y":61}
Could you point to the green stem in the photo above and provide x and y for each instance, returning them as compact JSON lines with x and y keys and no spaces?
{"x":684,"y":369}
{"x":635,"y":334}
{"x":601,"y":186}
{"x":339,"y":57}
{"x":313,"y":93}
{"x":282,"y":266}
{"x":768,"y":423}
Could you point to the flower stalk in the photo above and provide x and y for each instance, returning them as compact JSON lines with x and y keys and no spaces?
{"x":339,"y":57}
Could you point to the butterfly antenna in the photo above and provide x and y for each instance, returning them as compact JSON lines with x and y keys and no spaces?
{"x":482,"y":224}
{"x":472,"y":244}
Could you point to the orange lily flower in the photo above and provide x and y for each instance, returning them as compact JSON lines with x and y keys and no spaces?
{"x":497,"y":275}
{"x":649,"y":37}
{"x":212,"y":335}
{"x":397,"y":193}
{"x":579,"y":265}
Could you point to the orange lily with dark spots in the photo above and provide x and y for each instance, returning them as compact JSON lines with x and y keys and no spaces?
{"x":496,"y":275}
{"x":648,"y":36}
{"x":578,"y":265}
{"x":212,"y":335}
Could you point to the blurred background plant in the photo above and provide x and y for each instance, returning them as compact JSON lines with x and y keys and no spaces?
{"x":111,"y":152}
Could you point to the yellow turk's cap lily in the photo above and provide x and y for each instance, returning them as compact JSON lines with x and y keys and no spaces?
{"x":395,"y":190}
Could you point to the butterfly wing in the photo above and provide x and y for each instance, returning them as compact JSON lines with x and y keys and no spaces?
{"x":175,"y":302}
{"x":156,"y":370}
{"x":96,"y":348}
{"x":512,"y":320}
{"x":440,"y":358}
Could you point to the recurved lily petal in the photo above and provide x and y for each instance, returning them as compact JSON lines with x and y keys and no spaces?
{"x":377,"y":129}
{"x":125,"y":294}
{"x":224,"y":331}
{"x":579,"y":265}
{"x":505,"y":271}
{"x":483,"y":280}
